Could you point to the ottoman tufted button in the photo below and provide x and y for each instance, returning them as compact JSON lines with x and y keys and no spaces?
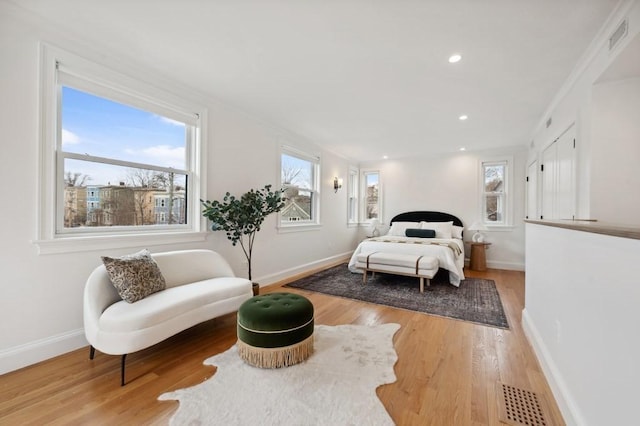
{"x":275,"y":330}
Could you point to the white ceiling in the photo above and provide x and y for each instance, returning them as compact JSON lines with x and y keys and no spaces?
{"x":361,"y":78}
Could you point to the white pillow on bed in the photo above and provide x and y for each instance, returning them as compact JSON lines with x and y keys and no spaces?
{"x":457,"y":232}
{"x":443,"y":229}
{"x":398,"y":229}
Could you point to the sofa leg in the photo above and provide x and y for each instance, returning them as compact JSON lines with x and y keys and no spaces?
{"x":92,"y":352}
{"x":124,"y":357}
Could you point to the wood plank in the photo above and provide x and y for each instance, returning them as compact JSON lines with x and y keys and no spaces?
{"x":446,"y":371}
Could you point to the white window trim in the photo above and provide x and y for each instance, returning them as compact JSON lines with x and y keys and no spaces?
{"x":47,"y":239}
{"x":507,"y":225}
{"x":354,"y":173}
{"x":285,"y":227}
{"x":363,"y":199}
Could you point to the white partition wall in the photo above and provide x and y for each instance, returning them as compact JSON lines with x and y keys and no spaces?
{"x":581,"y":317}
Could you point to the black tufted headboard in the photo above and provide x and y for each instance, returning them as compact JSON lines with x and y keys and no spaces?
{"x":427,"y":217}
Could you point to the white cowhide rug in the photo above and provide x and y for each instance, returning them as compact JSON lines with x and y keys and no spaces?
{"x":335,"y":386}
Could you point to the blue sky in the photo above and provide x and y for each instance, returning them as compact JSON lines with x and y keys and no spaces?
{"x":97,"y":126}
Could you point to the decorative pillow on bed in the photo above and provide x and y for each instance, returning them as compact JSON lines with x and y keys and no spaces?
{"x":399,"y":229}
{"x":457,"y":232}
{"x":443,"y":229}
{"x":134,"y":276}
{"x":420,"y":233}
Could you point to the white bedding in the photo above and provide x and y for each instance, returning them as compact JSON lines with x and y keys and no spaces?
{"x":448,"y":260}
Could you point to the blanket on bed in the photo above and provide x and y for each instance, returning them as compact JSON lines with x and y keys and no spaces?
{"x":449,"y":252}
{"x":453,"y":246}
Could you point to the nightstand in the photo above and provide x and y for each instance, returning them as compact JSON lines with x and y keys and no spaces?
{"x":478,"y":259}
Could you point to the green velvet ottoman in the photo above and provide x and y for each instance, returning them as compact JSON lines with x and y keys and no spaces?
{"x":275,"y":330}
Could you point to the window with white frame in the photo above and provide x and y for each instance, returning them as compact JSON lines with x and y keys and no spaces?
{"x":110,"y":148}
{"x":371,"y":197}
{"x":495,"y":180}
{"x":352,"y":187}
{"x":299,"y":177}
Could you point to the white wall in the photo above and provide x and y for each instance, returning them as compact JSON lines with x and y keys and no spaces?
{"x":580,"y":288}
{"x":41,"y":302}
{"x":574,"y":103}
{"x":615,"y":181}
{"x":451,"y":184}
{"x":581,"y":317}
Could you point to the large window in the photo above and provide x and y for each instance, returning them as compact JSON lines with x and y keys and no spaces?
{"x":495,"y":184}
{"x":352,"y":188}
{"x":117,"y":160}
{"x":372,"y":197}
{"x":299,"y":177}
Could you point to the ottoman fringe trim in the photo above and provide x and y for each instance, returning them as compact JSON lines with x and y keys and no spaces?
{"x":276,"y":357}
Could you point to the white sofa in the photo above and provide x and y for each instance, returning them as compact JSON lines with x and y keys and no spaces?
{"x":200,"y":285}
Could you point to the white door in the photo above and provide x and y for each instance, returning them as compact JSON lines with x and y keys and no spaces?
{"x":565,"y":199}
{"x":548,"y":176}
{"x":532,"y":191}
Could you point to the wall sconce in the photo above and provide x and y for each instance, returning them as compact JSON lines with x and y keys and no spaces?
{"x":337,"y":184}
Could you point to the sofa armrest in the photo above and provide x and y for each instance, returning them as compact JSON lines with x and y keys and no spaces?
{"x":99,"y":294}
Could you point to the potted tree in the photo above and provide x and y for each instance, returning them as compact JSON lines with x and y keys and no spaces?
{"x":242,"y":217}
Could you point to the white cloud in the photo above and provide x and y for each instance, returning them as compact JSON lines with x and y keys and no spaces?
{"x":69,"y":138}
{"x":162,"y":155}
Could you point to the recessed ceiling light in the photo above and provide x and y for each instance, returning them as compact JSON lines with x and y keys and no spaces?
{"x":455,"y":58}
{"x":385,"y":157}
{"x":463,"y":117}
{"x":463,"y":149}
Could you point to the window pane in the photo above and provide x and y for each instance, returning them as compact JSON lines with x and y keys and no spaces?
{"x":297,"y":172}
{"x":372,"y":205}
{"x":494,"y":208}
{"x":494,"y":178}
{"x":97,"y":194}
{"x":353,"y":196}
{"x":298,"y":205}
{"x":103,"y":128}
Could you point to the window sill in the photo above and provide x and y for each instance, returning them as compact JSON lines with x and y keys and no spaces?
{"x":106,"y":242}
{"x":500,"y":228}
{"x":284,"y":229}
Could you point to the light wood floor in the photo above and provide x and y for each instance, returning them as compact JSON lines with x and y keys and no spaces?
{"x":446,"y":371}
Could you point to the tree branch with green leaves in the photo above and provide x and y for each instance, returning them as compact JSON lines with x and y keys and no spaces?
{"x":241,"y":218}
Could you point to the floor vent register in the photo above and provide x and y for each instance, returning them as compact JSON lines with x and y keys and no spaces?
{"x":521,"y":407}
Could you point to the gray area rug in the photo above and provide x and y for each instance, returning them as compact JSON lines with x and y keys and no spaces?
{"x":476,"y":300}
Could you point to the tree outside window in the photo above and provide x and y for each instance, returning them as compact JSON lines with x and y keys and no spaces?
{"x":494,"y":175}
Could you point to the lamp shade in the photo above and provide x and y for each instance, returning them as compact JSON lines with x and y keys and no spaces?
{"x":477,"y":236}
{"x":373,"y":227}
{"x":478,"y":226}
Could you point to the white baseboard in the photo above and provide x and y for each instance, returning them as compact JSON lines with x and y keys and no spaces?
{"x":279,"y":276}
{"x":33,"y":352}
{"x":510,"y":266}
{"x":566,"y":403}
{"x":492,"y":264}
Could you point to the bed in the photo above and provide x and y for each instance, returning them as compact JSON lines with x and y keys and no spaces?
{"x":446,"y":246}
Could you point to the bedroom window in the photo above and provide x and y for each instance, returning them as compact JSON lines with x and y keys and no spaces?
{"x":352,"y":212}
{"x":495,"y":185}
{"x":299,"y":177}
{"x":119,"y":158}
{"x":372,"y":206}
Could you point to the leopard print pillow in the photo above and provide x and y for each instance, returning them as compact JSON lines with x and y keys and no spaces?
{"x":135,"y":276}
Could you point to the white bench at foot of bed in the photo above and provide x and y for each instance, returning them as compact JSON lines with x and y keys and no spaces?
{"x":413,"y":265}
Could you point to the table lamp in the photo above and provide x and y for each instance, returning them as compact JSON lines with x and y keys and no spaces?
{"x":373,"y":228}
{"x":477,"y":236}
